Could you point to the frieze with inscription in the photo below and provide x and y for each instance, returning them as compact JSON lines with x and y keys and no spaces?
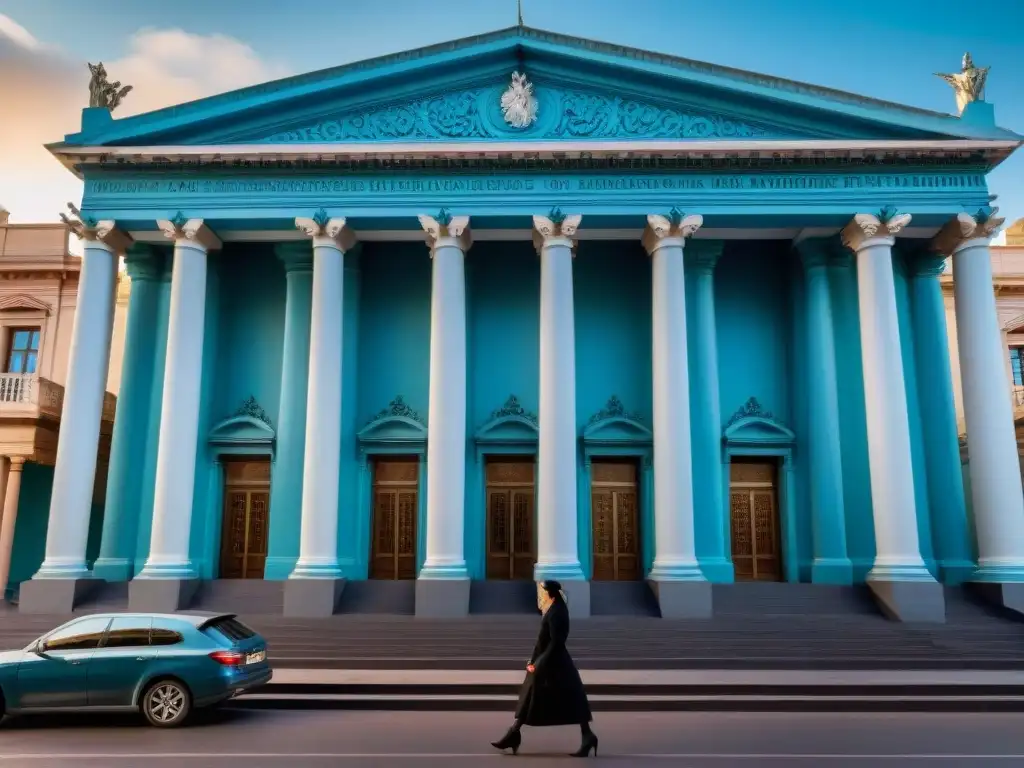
{"x":383,"y":187}
{"x":476,"y":114}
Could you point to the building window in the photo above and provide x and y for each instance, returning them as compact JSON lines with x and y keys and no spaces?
{"x":24,"y":351}
{"x":1017,"y":365}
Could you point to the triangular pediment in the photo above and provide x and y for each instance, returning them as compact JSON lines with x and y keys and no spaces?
{"x":579,"y":90}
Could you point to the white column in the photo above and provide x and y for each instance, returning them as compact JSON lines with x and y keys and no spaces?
{"x":12,"y":494}
{"x":996,"y":493}
{"x":75,"y":470}
{"x":557,"y":542}
{"x":898,"y":552}
{"x":448,"y":238}
{"x":182,"y":394}
{"x":675,"y":556}
{"x":321,"y":473}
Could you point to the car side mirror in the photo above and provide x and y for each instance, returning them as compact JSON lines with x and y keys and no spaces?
{"x":40,"y":648}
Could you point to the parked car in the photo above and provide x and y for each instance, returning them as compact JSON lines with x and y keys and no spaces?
{"x":163,"y":665}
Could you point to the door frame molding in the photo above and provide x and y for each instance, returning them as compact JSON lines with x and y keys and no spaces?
{"x":754,"y":432}
{"x":395,"y":431}
{"x":511,"y":430}
{"x":615,"y":432}
{"x":246,"y":433}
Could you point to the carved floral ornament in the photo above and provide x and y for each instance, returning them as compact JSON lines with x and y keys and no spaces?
{"x":251,"y":408}
{"x":567,"y":114}
{"x":613,"y":409}
{"x":556,"y":228}
{"x":444,"y":229}
{"x":959,"y":232}
{"x":325,"y":228}
{"x":867,"y":226}
{"x":670,"y":230}
{"x":513,"y":407}
{"x":751,"y":409}
{"x":397,"y":408}
{"x":193,"y":232}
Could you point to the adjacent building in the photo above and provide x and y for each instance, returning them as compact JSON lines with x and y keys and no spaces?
{"x":530,"y":306}
{"x":39,"y":281}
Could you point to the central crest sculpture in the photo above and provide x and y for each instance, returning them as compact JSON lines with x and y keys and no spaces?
{"x":518,"y":104}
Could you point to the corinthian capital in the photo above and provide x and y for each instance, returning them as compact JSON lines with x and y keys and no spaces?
{"x":868,"y":227}
{"x":328,"y":231}
{"x":189,"y":232}
{"x":444,"y":229}
{"x":556,"y":228}
{"x":103,"y":233}
{"x":965,"y":228}
{"x":673,"y":229}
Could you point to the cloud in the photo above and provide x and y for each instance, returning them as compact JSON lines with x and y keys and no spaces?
{"x":42,"y":93}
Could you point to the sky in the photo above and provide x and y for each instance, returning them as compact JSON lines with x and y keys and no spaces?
{"x":175,"y":52}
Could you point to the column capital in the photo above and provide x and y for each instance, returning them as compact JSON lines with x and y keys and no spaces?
{"x":143,"y":262}
{"x":673,"y":229}
{"x":868,"y":229}
{"x":967,"y":231}
{"x":97,"y":234}
{"x":17,"y":463}
{"x":702,"y":255}
{"x":297,"y":256}
{"x":329,"y":231}
{"x":444,"y":230}
{"x":190,"y":233}
{"x":556,"y":228}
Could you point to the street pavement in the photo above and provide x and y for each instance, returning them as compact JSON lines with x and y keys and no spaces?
{"x":231,"y":738}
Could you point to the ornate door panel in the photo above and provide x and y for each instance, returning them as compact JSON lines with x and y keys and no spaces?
{"x":754,"y":523}
{"x":246,"y":519}
{"x":395,"y":509}
{"x":614,"y":506}
{"x":511,"y":528}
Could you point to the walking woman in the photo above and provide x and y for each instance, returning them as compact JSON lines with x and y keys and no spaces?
{"x":552,"y":693}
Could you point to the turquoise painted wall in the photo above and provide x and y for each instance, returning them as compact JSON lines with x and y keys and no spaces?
{"x":920,"y":479}
{"x":800,"y":383}
{"x":389,"y":353}
{"x":612,"y":298}
{"x":147,"y":463}
{"x":860,"y":524}
{"x":503,"y":306}
{"x":33,"y":522}
{"x":353,"y":518}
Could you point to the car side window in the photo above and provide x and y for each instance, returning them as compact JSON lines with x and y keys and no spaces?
{"x":128,"y":632}
{"x":83,"y":634}
{"x":164,"y":636}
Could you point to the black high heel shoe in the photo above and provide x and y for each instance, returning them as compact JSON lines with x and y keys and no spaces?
{"x":589,"y":743}
{"x":510,"y":740}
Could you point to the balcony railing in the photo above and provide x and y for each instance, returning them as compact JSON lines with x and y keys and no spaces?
{"x":28,"y":394}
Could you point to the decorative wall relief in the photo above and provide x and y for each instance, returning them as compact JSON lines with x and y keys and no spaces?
{"x":512,"y":407}
{"x":613,"y":409}
{"x":751,"y":408}
{"x":397,"y":408}
{"x":254,"y":410}
{"x":542,"y":113}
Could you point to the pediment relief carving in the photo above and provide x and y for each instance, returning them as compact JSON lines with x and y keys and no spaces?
{"x":511,"y":423}
{"x":614,"y":424}
{"x":23,"y":302}
{"x":753,"y":425}
{"x":242,"y":430}
{"x":397,"y":423}
{"x":560,"y":114}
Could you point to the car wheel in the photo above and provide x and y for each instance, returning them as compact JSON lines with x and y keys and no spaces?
{"x":166,"y":703}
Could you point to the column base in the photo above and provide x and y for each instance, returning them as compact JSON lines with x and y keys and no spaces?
{"x":989,"y":572}
{"x":910,"y":601}
{"x":325,"y":571}
{"x":682,"y":599}
{"x":955,"y":572}
{"x":444,"y":598}
{"x":161,"y":595}
{"x":113,"y":568}
{"x":312,"y":598}
{"x":1009,"y":595}
{"x":717,"y":570}
{"x":832,"y":570}
{"x":55,"y":596}
{"x":676,"y":571}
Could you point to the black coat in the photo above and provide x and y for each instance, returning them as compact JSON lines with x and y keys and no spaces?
{"x":553,"y":694}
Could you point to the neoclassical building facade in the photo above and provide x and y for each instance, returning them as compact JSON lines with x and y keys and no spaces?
{"x":528,"y":306}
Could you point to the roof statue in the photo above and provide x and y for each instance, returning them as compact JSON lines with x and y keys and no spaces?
{"x":520,"y":9}
{"x":103,"y":93}
{"x":968,"y":84}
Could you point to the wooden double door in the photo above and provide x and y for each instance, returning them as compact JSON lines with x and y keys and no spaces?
{"x":754,"y":521}
{"x":395,"y":510}
{"x":511,"y":518}
{"x":246,"y":519}
{"x":615,"y":515}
